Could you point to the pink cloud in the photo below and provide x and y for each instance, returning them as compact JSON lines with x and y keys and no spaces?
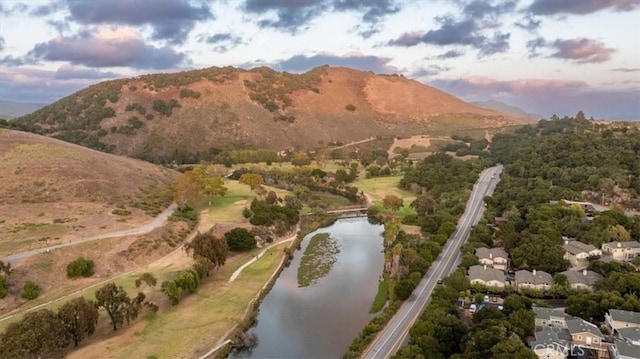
{"x":582,"y":50}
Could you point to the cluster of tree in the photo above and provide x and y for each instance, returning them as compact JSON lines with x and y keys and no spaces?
{"x":441,"y":333}
{"x":273,"y":89}
{"x":466,"y":146}
{"x":193,"y":186}
{"x":185,"y":281}
{"x":136,"y":107}
{"x":48,"y":334}
{"x":240,"y":240}
{"x":559,"y":159}
{"x":5,"y":270}
{"x":165,"y":108}
{"x":189,"y":93}
{"x":282,"y":217}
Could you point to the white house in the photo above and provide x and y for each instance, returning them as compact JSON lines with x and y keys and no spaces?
{"x":578,"y":253}
{"x":617,"y":319}
{"x":493,"y":257}
{"x":535,"y":279}
{"x":490,"y":277}
{"x":584,"y":279}
{"x":622,"y":251}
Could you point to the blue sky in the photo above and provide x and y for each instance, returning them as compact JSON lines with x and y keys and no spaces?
{"x":546,"y":56}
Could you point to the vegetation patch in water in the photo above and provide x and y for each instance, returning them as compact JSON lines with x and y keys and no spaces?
{"x":319,"y":257}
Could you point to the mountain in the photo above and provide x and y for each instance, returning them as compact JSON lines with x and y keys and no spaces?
{"x":10,"y":109}
{"x":52,"y":189}
{"x":505,"y":108}
{"x":161,"y":117}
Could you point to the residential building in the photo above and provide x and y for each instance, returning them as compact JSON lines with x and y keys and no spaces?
{"x":629,"y":335}
{"x":493,"y":257}
{"x":624,"y":350}
{"x":586,"y":335}
{"x":535,"y":279}
{"x":485,"y":275}
{"x":617,"y":319}
{"x":578,"y":253}
{"x":622,"y":251}
{"x":550,"y":317}
{"x":551,"y":343}
{"x":584,"y":279}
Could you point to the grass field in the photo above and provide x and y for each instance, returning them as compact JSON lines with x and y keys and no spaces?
{"x":379,"y":187}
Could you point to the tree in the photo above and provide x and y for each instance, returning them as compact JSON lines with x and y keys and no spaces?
{"x":424,"y":204}
{"x":512,"y":348}
{"x":4,"y":290}
{"x":522,"y":322}
{"x":392,"y":202}
{"x":80,"y":318}
{"x":146,"y":278}
{"x":30,"y":290}
{"x":240,"y":240}
{"x":80,"y":268}
{"x":193,"y":186}
{"x":300,"y":159}
{"x":208,"y":246}
{"x":119,"y":306}
{"x":171,"y":289}
{"x":253,"y":180}
{"x":39,"y":334}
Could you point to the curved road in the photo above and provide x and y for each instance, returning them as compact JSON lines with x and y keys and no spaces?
{"x":391,"y":338}
{"x":145,"y":228}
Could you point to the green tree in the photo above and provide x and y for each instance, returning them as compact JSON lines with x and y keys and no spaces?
{"x":208,"y":246}
{"x":300,"y":159}
{"x":171,"y":289}
{"x":253,"y":180}
{"x":30,"y":290}
{"x":39,"y":334}
{"x":146,"y":278}
{"x":392,"y":202}
{"x":512,"y":348}
{"x":193,"y":186}
{"x":240,"y":240}
{"x":119,"y":306}
{"x":522,"y":322}
{"x":424,"y":204}
{"x":80,"y":267}
{"x":4,"y":290}
{"x":80,"y":318}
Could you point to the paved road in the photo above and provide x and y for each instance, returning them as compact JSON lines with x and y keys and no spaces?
{"x":145,"y":228}
{"x":390,"y":339}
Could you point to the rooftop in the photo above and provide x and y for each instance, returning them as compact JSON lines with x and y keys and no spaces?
{"x":552,"y":337}
{"x":627,"y":350}
{"x":490,"y":253}
{"x":576,"y":247}
{"x":625,"y":316}
{"x":577,"y":325}
{"x":485,"y":273}
{"x":547,"y":313}
{"x":585,"y":277}
{"x":535,"y":277}
{"x":632,"y":334}
{"x":626,"y":244}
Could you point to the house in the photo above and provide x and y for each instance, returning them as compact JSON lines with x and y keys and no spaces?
{"x":499,"y":221}
{"x":551,"y":343}
{"x":485,"y":275}
{"x":550,"y":317}
{"x":584,"y":279}
{"x":493,"y":257}
{"x":624,"y":350}
{"x":578,"y":253}
{"x":617,"y":319}
{"x":536,"y":279}
{"x":630,"y":335}
{"x":622,"y":251}
{"x":586,"y":335}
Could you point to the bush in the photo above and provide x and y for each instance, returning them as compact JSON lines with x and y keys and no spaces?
{"x":240,"y":240}
{"x":80,"y":268}
{"x":350,"y":107}
{"x":30,"y":290}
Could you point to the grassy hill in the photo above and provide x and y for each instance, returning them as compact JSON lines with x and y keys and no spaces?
{"x":163,"y":117}
{"x":53,"y":191}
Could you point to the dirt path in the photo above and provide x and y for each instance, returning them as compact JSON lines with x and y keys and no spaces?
{"x":354,"y":143}
{"x":145,"y":228}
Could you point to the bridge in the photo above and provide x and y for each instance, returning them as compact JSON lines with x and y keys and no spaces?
{"x":348,"y":212}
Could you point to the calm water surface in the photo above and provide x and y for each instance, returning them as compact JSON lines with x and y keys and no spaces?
{"x":321,"y":320}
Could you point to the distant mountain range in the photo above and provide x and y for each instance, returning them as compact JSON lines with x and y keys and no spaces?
{"x":160,"y":116}
{"x":10,"y":109}
{"x":505,"y":108}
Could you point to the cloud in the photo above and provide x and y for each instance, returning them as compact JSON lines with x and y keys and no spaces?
{"x":293,"y":15}
{"x":534,"y":45}
{"x":529,"y":23}
{"x":1,"y":43}
{"x":626,"y":69}
{"x":478,"y":19}
{"x":547,"y":97}
{"x":582,"y":50}
{"x":303,"y":63}
{"x":450,"y":54}
{"x":60,"y":26}
{"x":39,"y":86}
{"x":580,"y":7}
{"x":67,"y":72}
{"x":16,"y":8}
{"x":171,"y":20}
{"x":108,"y":48}
{"x":224,"y":41}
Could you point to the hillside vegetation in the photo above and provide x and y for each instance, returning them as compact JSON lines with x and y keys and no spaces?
{"x":53,"y":191}
{"x":193,"y":115}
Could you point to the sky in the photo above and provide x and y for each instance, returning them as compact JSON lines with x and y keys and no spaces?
{"x":545,"y":56}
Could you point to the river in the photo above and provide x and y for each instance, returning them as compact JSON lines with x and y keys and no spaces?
{"x":321,"y":320}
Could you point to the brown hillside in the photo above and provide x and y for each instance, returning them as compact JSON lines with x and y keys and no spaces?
{"x":53,"y":191}
{"x":164,"y":117}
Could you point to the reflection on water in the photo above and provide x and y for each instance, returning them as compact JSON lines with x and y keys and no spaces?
{"x":321,"y":320}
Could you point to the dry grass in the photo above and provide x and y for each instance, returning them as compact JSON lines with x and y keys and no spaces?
{"x":53,"y":191}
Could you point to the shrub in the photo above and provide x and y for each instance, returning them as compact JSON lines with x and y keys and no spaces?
{"x":240,"y":240}
{"x":30,"y":290}
{"x":80,"y":268}
{"x":350,"y":107}
{"x":121,"y":212}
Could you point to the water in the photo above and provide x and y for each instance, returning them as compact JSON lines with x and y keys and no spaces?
{"x":321,"y":320}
